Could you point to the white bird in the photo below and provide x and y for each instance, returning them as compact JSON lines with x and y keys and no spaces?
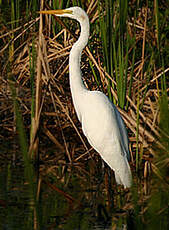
{"x":101,"y":122}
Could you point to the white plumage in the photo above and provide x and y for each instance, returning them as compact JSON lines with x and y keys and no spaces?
{"x":101,"y":122}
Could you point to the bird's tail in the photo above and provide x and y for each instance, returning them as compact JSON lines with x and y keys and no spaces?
{"x":125,"y":176}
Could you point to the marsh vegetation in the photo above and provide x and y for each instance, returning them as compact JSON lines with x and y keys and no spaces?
{"x":44,"y":154}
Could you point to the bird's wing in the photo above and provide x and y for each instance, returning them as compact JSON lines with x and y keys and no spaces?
{"x":123,"y":133}
{"x":102,"y":123}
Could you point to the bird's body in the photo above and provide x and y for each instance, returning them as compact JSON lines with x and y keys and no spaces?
{"x":101,"y":122}
{"x":110,"y":142}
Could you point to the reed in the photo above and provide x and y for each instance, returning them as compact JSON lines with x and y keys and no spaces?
{"x":157,"y":213}
{"x":113,"y":19}
{"x":106,"y":27}
{"x":13,"y":82}
{"x":32,"y":64}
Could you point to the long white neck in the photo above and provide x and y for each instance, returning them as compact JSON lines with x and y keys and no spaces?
{"x":76,"y":83}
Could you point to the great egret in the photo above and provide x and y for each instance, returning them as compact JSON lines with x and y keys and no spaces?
{"x":101,"y":122}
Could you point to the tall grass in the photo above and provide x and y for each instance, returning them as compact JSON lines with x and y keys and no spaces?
{"x":113,"y":18}
{"x":106,"y":27}
{"x":157,"y":213}
{"x":17,"y":105}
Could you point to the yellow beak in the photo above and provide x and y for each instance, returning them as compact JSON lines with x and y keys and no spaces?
{"x":59,"y":12}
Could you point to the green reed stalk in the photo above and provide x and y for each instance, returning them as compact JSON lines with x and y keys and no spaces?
{"x":61,"y":4}
{"x":28,"y":167}
{"x":123,"y":8}
{"x":106,"y":26}
{"x":57,"y":5}
{"x":31,"y":8}
{"x":20,"y":126}
{"x":156,"y":14}
{"x":22,"y":137}
{"x":27,"y":9}
{"x":121,"y":65}
{"x":94,"y":73}
{"x":115,"y":47}
{"x":131,"y":74}
{"x":17,"y":12}
{"x":122,"y":54}
{"x":34,"y":5}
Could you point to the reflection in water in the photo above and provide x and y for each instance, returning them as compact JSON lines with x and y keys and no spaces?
{"x":66,"y":200}
{"x":70,"y":197}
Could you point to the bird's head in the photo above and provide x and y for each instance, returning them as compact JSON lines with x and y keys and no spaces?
{"x":73,"y":12}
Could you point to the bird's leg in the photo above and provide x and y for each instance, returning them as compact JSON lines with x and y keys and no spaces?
{"x":106,"y":176}
{"x":108,"y":186}
{"x":101,"y":174}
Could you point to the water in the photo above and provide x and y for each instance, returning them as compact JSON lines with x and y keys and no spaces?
{"x":68,"y":197}
{"x":55,"y":210}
